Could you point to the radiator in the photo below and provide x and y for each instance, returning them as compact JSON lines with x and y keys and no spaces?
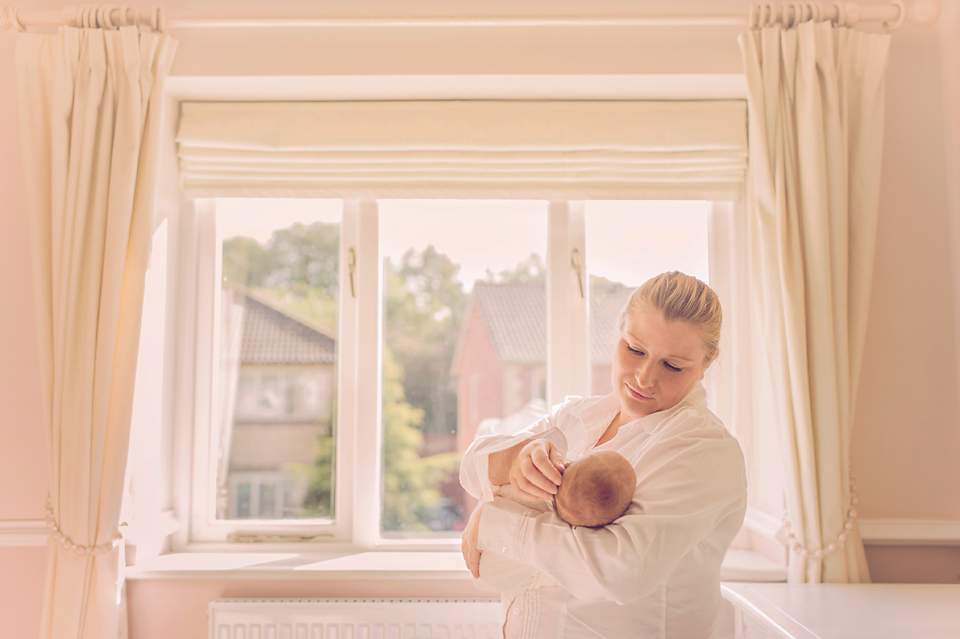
{"x":355,"y":619}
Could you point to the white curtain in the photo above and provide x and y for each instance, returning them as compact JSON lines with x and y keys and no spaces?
{"x":89,"y":119}
{"x":816,"y":102}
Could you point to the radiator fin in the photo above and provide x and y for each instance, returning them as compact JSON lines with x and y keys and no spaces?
{"x":355,"y":619}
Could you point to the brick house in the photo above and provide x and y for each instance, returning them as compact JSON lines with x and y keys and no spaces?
{"x":500,"y":357}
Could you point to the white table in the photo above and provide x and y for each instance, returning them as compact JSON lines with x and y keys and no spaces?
{"x":844,"y":611}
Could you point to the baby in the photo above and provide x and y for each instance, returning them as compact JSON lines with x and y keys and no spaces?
{"x":595,"y":491}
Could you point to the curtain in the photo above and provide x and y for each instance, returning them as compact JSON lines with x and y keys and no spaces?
{"x":469,"y":148}
{"x":89,"y":119}
{"x":815,"y":105}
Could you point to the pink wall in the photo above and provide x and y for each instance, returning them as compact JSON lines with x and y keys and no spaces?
{"x":21,"y":591}
{"x":908,"y":413}
{"x":908,"y":422}
{"x":23,"y":465}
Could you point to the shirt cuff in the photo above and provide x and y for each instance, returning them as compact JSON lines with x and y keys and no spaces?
{"x":502,"y":525}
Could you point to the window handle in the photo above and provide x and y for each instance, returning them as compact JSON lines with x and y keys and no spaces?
{"x":352,"y":269}
{"x":577,"y":265}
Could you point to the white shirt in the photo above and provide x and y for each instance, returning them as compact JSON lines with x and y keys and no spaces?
{"x":655,"y":572}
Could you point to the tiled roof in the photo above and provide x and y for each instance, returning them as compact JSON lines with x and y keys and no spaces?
{"x":271,"y":336}
{"x":515,"y":316}
{"x":605,"y":305}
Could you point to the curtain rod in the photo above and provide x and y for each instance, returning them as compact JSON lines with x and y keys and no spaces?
{"x":919,"y":13}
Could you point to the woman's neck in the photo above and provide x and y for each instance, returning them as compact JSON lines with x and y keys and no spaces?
{"x":611,"y":430}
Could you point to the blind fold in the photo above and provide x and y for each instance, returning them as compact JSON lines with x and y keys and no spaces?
{"x":465,"y":149}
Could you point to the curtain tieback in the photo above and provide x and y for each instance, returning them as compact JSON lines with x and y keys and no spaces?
{"x":787,"y":536}
{"x":68,"y":543}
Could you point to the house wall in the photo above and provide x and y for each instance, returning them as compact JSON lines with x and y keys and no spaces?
{"x":907,"y":425}
{"x":479,"y":380}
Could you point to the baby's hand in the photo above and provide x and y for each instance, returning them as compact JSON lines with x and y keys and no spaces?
{"x":537,"y":470}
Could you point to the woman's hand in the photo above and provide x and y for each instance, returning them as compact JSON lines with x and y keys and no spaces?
{"x":468,"y":545}
{"x":537,"y":470}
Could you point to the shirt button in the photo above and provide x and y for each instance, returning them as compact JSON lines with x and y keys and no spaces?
{"x":503,"y":550}
{"x":516,"y":611}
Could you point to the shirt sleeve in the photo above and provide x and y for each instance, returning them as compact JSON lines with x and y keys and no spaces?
{"x":474,"y":467}
{"x":686,"y":486}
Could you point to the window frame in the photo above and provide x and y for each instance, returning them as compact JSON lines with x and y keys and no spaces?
{"x":359,"y":345}
{"x":172,"y":476}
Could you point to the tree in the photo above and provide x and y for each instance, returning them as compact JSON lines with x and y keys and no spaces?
{"x":411,"y":495}
{"x":298,"y":269}
{"x":529,"y":270}
{"x":423,"y":309}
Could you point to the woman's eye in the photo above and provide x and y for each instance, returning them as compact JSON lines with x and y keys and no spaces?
{"x":634,"y":351}
{"x":672,"y":367}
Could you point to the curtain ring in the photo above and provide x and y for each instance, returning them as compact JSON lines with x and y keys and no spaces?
{"x":841,"y":20}
{"x":794,"y":13}
{"x":103,"y":17}
{"x":896,"y":24}
{"x":161,"y":19}
{"x":766,"y":15}
{"x":751,"y":17}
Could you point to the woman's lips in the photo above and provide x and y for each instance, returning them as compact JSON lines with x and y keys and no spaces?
{"x":637,"y":394}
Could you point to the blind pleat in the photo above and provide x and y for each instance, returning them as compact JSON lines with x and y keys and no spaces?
{"x":521,"y":149}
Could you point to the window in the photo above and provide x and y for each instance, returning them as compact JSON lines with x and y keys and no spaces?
{"x":360,"y":347}
{"x":334,"y":357}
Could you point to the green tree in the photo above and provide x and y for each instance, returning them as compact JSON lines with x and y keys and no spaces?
{"x":298,"y":269}
{"x":532,"y":269}
{"x":411,"y":493}
{"x":423,"y":308}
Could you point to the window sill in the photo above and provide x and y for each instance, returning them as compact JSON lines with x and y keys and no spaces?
{"x":384,"y":565}
{"x":738,"y":565}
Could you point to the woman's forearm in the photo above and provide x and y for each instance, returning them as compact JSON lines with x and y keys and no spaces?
{"x":500,"y":462}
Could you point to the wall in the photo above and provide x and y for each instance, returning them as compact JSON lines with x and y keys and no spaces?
{"x":907,"y":428}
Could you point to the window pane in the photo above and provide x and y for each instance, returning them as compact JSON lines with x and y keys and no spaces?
{"x":628,"y":242}
{"x":464,"y":346}
{"x":274,"y":440}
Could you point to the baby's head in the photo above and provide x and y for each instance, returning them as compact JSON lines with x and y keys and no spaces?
{"x":596,"y":489}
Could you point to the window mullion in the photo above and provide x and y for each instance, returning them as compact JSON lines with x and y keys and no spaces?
{"x":567,"y":303}
{"x":367,"y":457}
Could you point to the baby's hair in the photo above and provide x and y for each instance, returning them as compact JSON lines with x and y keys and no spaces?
{"x":596,"y":490}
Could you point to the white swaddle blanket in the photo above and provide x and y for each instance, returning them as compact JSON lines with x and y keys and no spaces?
{"x":507,"y":576}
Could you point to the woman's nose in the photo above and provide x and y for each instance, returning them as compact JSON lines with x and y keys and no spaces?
{"x":646,"y":375}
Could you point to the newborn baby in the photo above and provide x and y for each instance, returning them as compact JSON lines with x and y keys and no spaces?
{"x":595,"y":491}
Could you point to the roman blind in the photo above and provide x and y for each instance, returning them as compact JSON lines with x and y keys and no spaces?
{"x":465,"y":149}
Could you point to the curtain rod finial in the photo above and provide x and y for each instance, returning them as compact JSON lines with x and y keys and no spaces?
{"x":9,"y":18}
{"x":923,"y":13}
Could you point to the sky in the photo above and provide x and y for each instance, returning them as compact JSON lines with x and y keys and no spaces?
{"x":627,"y":241}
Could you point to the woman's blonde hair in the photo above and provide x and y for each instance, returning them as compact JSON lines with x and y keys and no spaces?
{"x":680,"y":297}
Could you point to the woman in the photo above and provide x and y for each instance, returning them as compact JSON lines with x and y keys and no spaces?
{"x":654,"y":572}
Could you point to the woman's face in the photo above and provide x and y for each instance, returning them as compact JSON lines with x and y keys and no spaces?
{"x":655,"y":363}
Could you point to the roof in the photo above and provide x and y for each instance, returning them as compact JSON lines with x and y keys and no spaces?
{"x":606,"y":302}
{"x":515,"y":316}
{"x":274,"y":336}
